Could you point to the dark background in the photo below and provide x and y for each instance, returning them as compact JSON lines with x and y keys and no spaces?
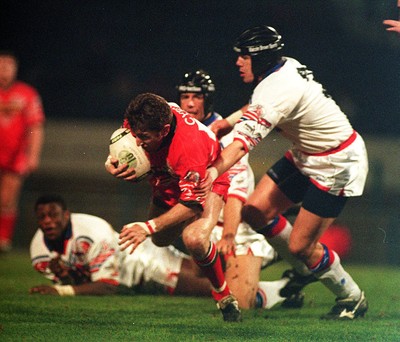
{"x":89,"y":58}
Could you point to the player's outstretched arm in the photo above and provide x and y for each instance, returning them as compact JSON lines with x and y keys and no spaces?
{"x":232,"y":220}
{"x":228,"y":157}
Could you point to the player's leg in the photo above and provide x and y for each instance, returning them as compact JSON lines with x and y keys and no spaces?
{"x":169,"y":236}
{"x":196,"y":237}
{"x":262,"y":211}
{"x":191,"y":282}
{"x":242,"y":275}
{"x":10,"y":188}
{"x":323,"y":262}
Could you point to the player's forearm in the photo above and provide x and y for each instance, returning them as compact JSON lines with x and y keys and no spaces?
{"x":96,"y":288}
{"x":232,"y":216}
{"x":177,"y":214}
{"x":229,"y":156}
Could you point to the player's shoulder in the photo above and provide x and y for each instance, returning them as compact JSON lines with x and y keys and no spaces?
{"x":21,"y":86}
{"x":37,"y":246}
{"x":37,"y":238}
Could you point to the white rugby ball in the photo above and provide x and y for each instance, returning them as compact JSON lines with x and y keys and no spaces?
{"x":124,"y":148}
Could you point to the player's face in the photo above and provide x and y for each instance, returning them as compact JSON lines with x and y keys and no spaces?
{"x":193,"y":103}
{"x":244,"y":65}
{"x":8,"y":71}
{"x":52,"y":220}
{"x":151,"y":140}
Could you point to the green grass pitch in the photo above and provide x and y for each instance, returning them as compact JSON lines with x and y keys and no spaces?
{"x":25,"y":317}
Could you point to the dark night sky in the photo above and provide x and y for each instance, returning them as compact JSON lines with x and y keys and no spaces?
{"x":89,"y":58}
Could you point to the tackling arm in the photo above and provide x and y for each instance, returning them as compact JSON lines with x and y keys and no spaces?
{"x":232,"y":220}
{"x":228,"y":157}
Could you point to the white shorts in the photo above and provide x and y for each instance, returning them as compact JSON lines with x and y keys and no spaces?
{"x":342,"y":172}
{"x":149,"y":263}
{"x":248,"y":242}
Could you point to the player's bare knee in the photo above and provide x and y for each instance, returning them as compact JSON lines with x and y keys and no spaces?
{"x":194,"y":243}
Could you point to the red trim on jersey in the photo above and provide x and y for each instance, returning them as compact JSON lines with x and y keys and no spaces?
{"x":320,"y":186}
{"x":240,"y":198}
{"x":246,"y":148}
{"x":289,"y":157}
{"x":108,"y":281}
{"x":341,"y":147}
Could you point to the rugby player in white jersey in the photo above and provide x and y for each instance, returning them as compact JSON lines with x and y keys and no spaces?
{"x":327,"y":162}
{"x":245,"y":251}
{"x":80,"y":254}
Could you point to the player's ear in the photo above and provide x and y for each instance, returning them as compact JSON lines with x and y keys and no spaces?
{"x":67,"y":214}
{"x":165,"y":130}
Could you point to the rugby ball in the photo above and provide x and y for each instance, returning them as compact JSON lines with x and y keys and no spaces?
{"x":124,"y":148}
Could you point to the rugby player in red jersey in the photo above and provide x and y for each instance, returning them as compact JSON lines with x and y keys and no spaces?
{"x":180,"y":149}
{"x":21,"y":138}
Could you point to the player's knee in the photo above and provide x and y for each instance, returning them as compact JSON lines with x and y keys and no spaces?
{"x":193,"y":242}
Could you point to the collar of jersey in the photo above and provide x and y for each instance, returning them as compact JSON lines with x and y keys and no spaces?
{"x":273,"y":69}
{"x":211,"y":119}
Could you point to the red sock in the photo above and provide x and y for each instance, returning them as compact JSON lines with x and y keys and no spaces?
{"x":212,"y":269}
{"x":7,"y":224}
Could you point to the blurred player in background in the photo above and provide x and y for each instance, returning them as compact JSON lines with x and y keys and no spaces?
{"x":179,"y":149}
{"x":326,"y":165}
{"x":21,"y":138}
{"x":245,"y":251}
{"x":80,"y":254}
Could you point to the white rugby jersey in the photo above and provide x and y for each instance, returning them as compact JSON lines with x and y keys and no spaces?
{"x":90,"y":245}
{"x":290,"y":100}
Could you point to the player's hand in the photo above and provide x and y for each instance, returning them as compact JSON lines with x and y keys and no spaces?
{"x":121,"y":171}
{"x":60,"y":270}
{"x":394,"y":25}
{"x":203,"y":188}
{"x":221,"y":128}
{"x":227,"y":245}
{"x":132,"y":234}
{"x":44,"y":290}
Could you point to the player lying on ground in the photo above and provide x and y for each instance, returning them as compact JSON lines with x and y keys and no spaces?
{"x":79,"y":253}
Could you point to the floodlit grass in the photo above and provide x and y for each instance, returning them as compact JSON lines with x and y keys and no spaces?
{"x":25,"y":317}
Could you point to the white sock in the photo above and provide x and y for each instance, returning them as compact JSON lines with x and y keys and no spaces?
{"x":268,"y":293}
{"x":337,"y":280}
